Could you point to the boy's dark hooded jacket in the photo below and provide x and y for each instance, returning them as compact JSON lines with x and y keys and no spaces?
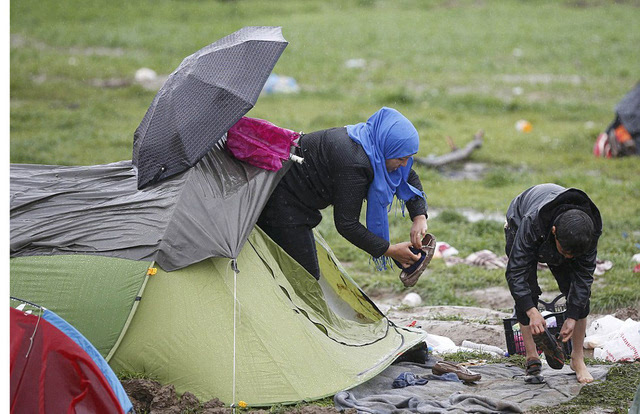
{"x":533,"y":213}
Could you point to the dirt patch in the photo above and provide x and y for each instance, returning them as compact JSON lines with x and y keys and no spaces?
{"x":151,"y":397}
{"x":497,"y":297}
{"x":626,"y":313}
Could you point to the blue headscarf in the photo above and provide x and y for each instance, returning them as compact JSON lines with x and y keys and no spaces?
{"x":386,"y":134}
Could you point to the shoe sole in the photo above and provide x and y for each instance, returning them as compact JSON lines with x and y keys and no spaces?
{"x":552,"y":351}
{"x":534,"y":379}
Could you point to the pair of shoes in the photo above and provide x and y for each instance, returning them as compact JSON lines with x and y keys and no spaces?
{"x":553,"y":352}
{"x":533,"y":376}
{"x":410,"y":275}
{"x":442,"y":367}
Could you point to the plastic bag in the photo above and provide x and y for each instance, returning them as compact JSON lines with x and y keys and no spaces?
{"x":624,"y":346}
{"x":260,"y":143}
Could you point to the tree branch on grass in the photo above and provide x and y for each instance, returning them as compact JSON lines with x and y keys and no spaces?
{"x":456,"y":154}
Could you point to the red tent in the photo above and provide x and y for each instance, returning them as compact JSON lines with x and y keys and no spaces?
{"x":51,"y":373}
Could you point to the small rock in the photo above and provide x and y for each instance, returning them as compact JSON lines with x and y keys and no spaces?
{"x":412,"y":299}
{"x":165,"y":401}
{"x":188,"y":402}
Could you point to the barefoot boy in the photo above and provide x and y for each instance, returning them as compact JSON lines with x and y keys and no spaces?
{"x":560,"y":227}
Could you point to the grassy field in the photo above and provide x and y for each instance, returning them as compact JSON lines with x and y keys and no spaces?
{"x":452,"y":67}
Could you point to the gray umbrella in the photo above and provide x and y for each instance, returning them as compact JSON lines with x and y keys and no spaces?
{"x":204,"y":97}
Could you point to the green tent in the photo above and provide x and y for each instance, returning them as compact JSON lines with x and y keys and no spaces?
{"x":176,"y":282}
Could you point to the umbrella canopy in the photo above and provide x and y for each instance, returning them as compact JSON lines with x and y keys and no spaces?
{"x":204,"y":97}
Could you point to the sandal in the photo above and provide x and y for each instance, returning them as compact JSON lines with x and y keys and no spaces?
{"x":548,"y":344}
{"x":410,"y":275}
{"x":533,"y":376}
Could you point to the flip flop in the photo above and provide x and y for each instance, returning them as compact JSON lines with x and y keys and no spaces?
{"x":548,"y":344}
{"x":533,"y":376}
{"x":409,"y":275}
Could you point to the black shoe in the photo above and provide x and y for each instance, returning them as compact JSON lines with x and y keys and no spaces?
{"x":548,"y":344}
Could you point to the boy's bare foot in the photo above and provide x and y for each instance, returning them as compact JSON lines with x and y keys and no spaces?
{"x":582,"y":373}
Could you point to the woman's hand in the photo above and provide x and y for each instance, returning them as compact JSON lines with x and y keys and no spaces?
{"x":402,"y":253}
{"x":418,"y":230}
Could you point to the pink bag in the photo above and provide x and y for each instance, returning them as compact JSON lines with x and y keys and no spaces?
{"x":260,"y":143}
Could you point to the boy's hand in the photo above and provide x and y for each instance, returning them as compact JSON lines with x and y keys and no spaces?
{"x":536,"y":321}
{"x":567,"y":329}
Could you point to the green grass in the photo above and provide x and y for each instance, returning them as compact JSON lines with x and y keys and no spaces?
{"x":452,"y":67}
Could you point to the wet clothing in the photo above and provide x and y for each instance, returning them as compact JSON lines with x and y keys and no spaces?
{"x":336,"y":171}
{"x":529,"y":240}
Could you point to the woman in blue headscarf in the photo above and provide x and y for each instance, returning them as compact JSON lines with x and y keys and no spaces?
{"x":343,"y":167}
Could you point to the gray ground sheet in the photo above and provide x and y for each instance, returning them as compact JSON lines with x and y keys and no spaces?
{"x":501,"y":390}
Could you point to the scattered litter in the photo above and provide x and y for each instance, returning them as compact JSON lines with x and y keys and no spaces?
{"x":149,"y":79}
{"x":412,"y":299}
{"x":636,"y":258}
{"x":280,"y":84}
{"x":484,"y":348}
{"x":613,"y":339}
{"x":445,"y":250}
{"x":517,"y":90}
{"x":355,"y":63}
{"x":489,"y":260}
{"x":145,"y":75}
{"x":524,"y":126}
{"x":441,"y":344}
{"x":474,"y":363}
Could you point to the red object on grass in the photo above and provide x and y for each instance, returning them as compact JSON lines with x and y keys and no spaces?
{"x":260,"y":143}
{"x":53,"y":374}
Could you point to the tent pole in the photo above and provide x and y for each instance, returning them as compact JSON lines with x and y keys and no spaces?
{"x":132,"y":312}
{"x":234,"y":266}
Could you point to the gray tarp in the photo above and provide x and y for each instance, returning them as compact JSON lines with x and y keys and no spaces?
{"x":501,"y":390}
{"x":207,"y":211}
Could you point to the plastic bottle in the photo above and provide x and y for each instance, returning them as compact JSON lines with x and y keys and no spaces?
{"x":484,"y":348}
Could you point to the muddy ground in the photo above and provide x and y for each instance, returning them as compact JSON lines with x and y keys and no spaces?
{"x":480,"y":324}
